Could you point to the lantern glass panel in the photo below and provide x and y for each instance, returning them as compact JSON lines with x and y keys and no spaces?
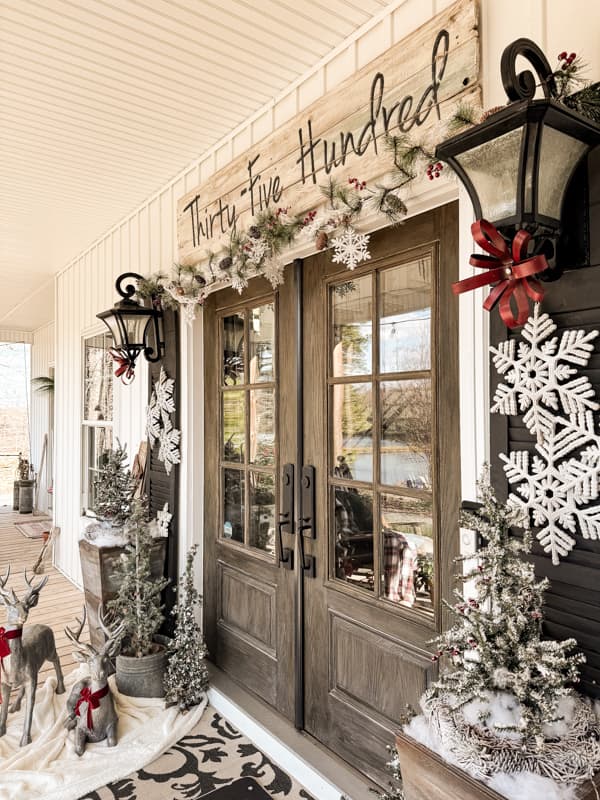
{"x":559,"y":155}
{"x":112,"y":323}
{"x":493,"y":169}
{"x":135,"y":325}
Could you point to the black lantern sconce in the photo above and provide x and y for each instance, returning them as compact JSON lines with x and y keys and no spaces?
{"x":516,"y":165}
{"x":134,"y":328}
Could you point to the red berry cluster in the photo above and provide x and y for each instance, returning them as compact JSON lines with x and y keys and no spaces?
{"x":281,"y":211}
{"x":567,"y":59}
{"x":358,"y":185}
{"x":436,"y":656}
{"x":434,"y":170}
{"x":309,"y":217}
{"x":536,"y":614}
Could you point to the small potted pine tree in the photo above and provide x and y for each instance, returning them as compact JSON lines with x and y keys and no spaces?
{"x":104,"y":538}
{"x":138,"y":605}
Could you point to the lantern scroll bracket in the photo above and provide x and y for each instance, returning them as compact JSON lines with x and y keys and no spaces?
{"x":523,"y":85}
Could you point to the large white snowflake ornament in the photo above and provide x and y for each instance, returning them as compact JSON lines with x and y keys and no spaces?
{"x":153,"y":420}
{"x":163,"y":390}
{"x":350,"y":248}
{"x":557,"y":484}
{"x":168,"y":445}
{"x":539,"y":376}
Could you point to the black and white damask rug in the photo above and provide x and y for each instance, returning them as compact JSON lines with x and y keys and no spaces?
{"x":212,"y":755}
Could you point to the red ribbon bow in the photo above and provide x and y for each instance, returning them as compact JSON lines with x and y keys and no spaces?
{"x":5,"y":636}
{"x":93,"y":701}
{"x":508,"y":268}
{"x":125,"y":366}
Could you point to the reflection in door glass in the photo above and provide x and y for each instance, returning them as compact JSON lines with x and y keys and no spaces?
{"x":262,"y":427}
{"x":352,"y":431}
{"x":233,"y":505}
{"x":262,"y":334}
{"x":407,"y":530}
{"x":353,"y":514}
{"x":234,"y":426}
{"x":405,"y":439}
{"x":233,"y":350}
{"x":405,"y":317}
{"x":352,"y":312}
{"x":262,"y":511}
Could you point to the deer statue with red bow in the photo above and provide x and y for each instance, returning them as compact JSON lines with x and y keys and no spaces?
{"x":91,"y":711}
{"x":22,"y":653}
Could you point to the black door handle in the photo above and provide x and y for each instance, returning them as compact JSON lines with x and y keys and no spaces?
{"x":286,"y":516}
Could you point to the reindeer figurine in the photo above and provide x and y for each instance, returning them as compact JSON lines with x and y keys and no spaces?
{"x":90,"y":705}
{"x":22,"y":653}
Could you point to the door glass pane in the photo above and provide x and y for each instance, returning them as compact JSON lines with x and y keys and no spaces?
{"x":98,"y":379}
{"x":233,"y":504}
{"x":352,"y":419}
{"x":262,"y":427}
{"x":405,"y":438}
{"x":352,"y":314}
{"x":262,"y":334}
{"x":407,"y":531}
{"x":353,"y":514}
{"x":262,"y":511}
{"x":405,"y":317}
{"x":233,"y":350}
{"x":234,"y":426}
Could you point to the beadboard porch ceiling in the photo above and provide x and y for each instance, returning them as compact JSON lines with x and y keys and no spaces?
{"x":103,"y":101}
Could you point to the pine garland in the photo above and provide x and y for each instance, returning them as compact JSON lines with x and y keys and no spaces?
{"x":138,"y":600}
{"x":114,"y":487}
{"x":186,"y":680}
{"x":497,"y":644}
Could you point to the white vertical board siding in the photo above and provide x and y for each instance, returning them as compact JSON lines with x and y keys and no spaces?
{"x":146,"y":241}
{"x":42,"y":358}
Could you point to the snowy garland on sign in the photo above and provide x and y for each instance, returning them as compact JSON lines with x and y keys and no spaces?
{"x":555,"y":486}
{"x":159,"y":427}
{"x":257,"y":250}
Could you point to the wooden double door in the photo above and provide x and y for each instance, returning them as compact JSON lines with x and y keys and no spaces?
{"x":332,"y":484}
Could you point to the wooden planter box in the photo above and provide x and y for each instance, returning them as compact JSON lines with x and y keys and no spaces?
{"x":98,"y":566}
{"x":426,"y":776}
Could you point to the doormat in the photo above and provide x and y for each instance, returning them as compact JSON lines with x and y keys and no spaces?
{"x":34,"y":530}
{"x":213,"y":756}
{"x":244,"y":789}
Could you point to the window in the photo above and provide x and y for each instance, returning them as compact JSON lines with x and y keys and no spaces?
{"x":248,"y":420}
{"x":382,"y":481}
{"x":97,"y":411}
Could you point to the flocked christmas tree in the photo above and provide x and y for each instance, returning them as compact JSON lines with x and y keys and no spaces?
{"x":138,"y":601}
{"x":496,"y":645}
{"x":114,"y":487}
{"x":186,"y":680}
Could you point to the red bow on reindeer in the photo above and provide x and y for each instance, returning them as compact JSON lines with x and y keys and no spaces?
{"x":125,"y":365}
{"x":5,"y":635}
{"x":93,"y":701}
{"x":509,"y":269}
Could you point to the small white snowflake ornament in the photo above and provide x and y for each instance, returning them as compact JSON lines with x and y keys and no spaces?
{"x":168,"y":445}
{"x":163,"y":520}
{"x":350,"y":248}
{"x":556,"y":484}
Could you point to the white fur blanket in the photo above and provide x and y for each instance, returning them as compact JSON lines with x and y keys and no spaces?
{"x":49,"y":768}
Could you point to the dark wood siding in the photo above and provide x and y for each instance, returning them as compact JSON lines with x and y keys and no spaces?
{"x":573,"y":600}
{"x":163,"y":488}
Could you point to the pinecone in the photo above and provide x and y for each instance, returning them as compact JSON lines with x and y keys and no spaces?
{"x":226,"y":263}
{"x":321,"y":241}
{"x":200,"y":280}
{"x":254,"y":232}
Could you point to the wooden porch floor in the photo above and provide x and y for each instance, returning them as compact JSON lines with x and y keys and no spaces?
{"x":60,"y":600}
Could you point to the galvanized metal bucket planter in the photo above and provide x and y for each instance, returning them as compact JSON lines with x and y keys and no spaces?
{"x":143,"y":676}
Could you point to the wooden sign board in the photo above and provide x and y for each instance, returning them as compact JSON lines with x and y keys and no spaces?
{"x":413,"y":88}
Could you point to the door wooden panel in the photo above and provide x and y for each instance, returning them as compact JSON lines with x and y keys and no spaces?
{"x":367,"y":655}
{"x":249,"y":599}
